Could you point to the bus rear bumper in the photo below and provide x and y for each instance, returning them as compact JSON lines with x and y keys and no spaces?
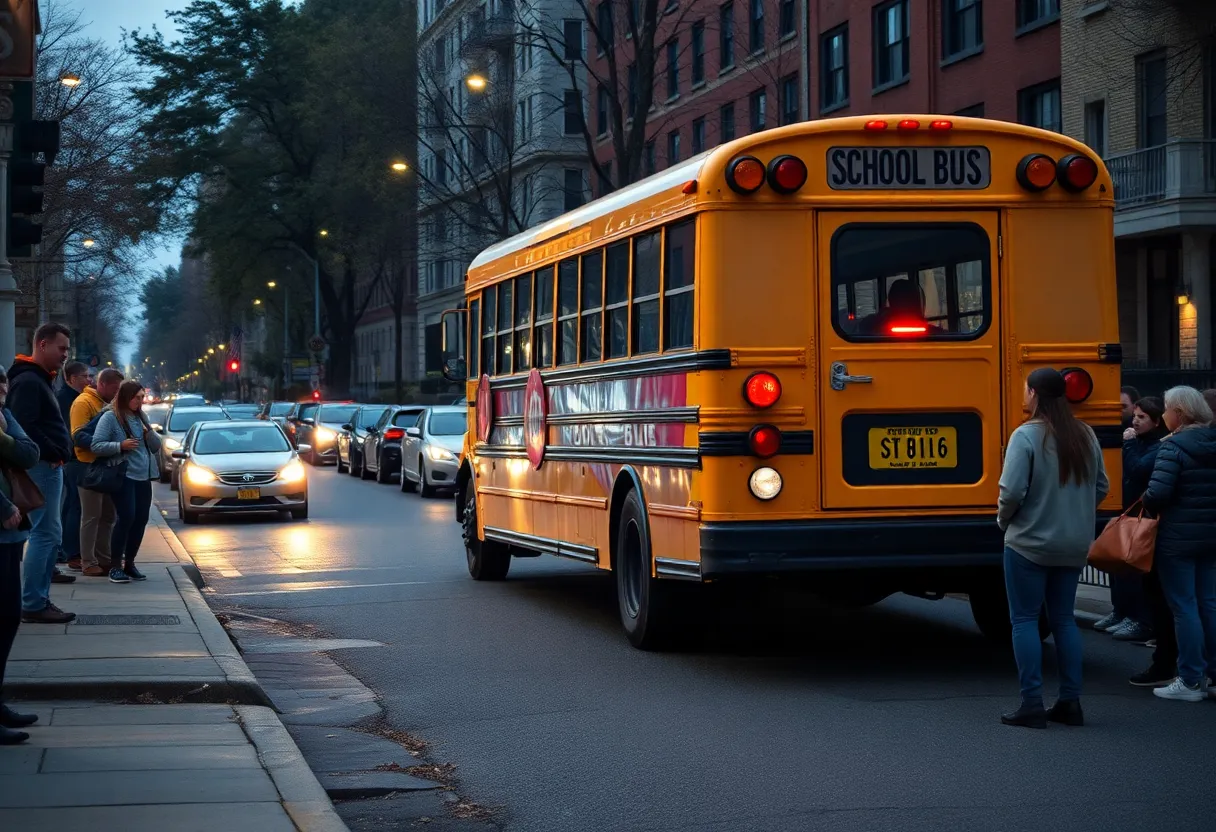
{"x":791,"y":546}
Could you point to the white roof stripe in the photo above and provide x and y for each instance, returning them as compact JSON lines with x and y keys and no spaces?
{"x":605,"y":205}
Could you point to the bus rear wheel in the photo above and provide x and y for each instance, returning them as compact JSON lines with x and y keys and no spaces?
{"x":648,"y":611}
{"x":488,"y":560}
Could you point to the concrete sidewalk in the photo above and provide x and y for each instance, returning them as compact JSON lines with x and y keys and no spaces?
{"x":107,"y":755}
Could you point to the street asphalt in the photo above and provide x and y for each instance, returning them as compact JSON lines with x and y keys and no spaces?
{"x":788,"y":716}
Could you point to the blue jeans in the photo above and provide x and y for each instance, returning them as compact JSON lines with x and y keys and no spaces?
{"x":1030,"y":586}
{"x":1189,"y":584}
{"x":131,"y":506}
{"x":71,"y":512}
{"x":45,"y":536}
{"x":1127,"y":597}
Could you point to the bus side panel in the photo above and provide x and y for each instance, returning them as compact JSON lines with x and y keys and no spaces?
{"x":1061,"y":305}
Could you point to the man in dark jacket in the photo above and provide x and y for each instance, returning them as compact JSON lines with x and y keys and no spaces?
{"x":75,"y":379}
{"x":32,"y":401}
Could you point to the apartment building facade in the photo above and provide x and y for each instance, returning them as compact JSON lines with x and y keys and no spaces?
{"x":497,"y":153}
{"x":1138,"y":87}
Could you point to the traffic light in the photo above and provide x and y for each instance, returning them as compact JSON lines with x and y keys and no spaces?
{"x":316,"y":395}
{"x":26,"y":176}
{"x":234,"y":366}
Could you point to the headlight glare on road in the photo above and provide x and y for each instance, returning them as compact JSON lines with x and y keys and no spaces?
{"x":172,"y":444}
{"x":198,"y":475}
{"x":292,"y":472}
{"x":323,"y":435}
{"x":438,"y":454}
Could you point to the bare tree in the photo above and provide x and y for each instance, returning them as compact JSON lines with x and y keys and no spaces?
{"x":1185,"y":28}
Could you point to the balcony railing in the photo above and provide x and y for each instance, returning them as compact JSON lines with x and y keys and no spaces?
{"x":496,"y":31}
{"x":1181,"y":168}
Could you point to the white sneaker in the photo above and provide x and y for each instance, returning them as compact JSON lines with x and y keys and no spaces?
{"x":1180,"y":691}
{"x":1108,"y":622}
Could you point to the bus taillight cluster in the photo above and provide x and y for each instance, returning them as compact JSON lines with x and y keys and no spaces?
{"x":761,"y":391}
{"x":1075,"y":172}
{"x":784,"y":174}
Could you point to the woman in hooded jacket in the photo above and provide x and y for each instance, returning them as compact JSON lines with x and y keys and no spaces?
{"x":1182,"y":492}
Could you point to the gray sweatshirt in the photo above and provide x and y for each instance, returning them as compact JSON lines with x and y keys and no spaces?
{"x":1045,"y":522}
{"x":107,"y":442}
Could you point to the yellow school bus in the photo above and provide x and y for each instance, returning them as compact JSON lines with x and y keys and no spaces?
{"x":797,"y":355}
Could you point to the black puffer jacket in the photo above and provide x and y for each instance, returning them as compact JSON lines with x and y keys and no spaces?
{"x":1139,"y":456}
{"x":1182,"y":492}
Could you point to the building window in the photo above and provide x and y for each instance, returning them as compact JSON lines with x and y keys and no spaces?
{"x":755,"y":26}
{"x":633,"y":89}
{"x":890,"y":43}
{"x":648,"y":163}
{"x":544,"y":317}
{"x":441,"y":167}
{"x":567,"y":311}
{"x":678,"y":288}
{"x":726,"y":121}
{"x":606,"y":178}
{"x":601,"y":111}
{"x":1033,"y":12}
{"x":726,"y":36}
{"x":698,"y":52}
{"x":962,"y":26}
{"x":592,"y":325}
{"x":673,"y":147}
{"x":974,"y":111}
{"x":603,"y":23}
{"x":834,"y":73}
{"x":573,"y":31}
{"x":1039,"y":106}
{"x":573,"y":122}
{"x":789,"y":20}
{"x":572,"y":188}
{"x":646,"y":252}
{"x":758,"y":107}
{"x":616,"y":301}
{"x":1151,"y":84}
{"x":789,"y":99}
{"x":698,"y":135}
{"x":673,"y":68}
{"x":1095,"y":126}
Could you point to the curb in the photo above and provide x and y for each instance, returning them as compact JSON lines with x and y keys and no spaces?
{"x":304,"y":799}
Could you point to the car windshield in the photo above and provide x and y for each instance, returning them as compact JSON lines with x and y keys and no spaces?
{"x":156,"y":413}
{"x":407,"y":418}
{"x":448,"y":424}
{"x":371,"y":415}
{"x":280,"y":408}
{"x":336,"y":414}
{"x":242,"y":411}
{"x":181,"y":421}
{"x":307,"y":410}
{"x":260,"y":439}
{"x":189,"y":401}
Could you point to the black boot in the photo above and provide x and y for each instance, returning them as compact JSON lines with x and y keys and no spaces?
{"x":1067,"y":712}
{"x":10,"y":737}
{"x":11,"y":719}
{"x":1027,"y":716}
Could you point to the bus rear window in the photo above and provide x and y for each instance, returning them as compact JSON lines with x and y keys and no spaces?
{"x":911,"y":281}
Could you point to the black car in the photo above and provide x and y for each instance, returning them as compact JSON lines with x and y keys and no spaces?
{"x":276,"y":412}
{"x":299,"y":420}
{"x":354,"y":432}
{"x":382,"y":446}
{"x":327,"y":423}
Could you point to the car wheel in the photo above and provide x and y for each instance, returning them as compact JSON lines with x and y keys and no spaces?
{"x":173,"y":484}
{"x":300,"y":513}
{"x":188,"y":517}
{"x":488,"y":560}
{"x":355,"y":468}
{"x":408,"y":486}
{"x":342,"y":467}
{"x":382,"y":474}
{"x":425,"y":489}
{"x":364,"y":473}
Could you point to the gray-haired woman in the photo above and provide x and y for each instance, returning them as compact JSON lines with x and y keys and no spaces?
{"x":1182,"y":492}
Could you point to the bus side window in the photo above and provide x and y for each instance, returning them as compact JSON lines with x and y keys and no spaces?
{"x":646,"y":293}
{"x":592,"y":335}
{"x":505,"y":331}
{"x":523,"y":323}
{"x":679,"y":292}
{"x":489,"y":313}
{"x":474,"y":339}
{"x":544,"y":317}
{"x":616,"y":301}
{"x":567,"y":312}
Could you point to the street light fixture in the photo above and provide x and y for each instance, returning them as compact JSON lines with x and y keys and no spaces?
{"x":257,"y":301}
{"x":476,"y":82}
{"x":210,"y":351}
{"x":70,"y":80}
{"x":270,"y":284}
{"x":219,"y":346}
{"x":88,"y":242}
{"x":323,"y":232}
{"x":400,"y":167}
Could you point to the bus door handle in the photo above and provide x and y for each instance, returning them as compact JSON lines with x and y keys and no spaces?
{"x":841,"y":377}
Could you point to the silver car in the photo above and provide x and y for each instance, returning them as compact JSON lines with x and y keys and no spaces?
{"x":430,"y":452}
{"x":240,"y":466}
{"x":179,"y":420}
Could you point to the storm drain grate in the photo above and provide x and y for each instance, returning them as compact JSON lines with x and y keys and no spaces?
{"x":127,"y":620}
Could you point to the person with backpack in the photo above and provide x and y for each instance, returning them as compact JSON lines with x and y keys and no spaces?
{"x":96,"y":507}
{"x":1051,"y":484}
{"x":124,"y":438}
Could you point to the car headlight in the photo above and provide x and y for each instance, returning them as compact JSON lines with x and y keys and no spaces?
{"x":292,"y":472}
{"x":172,"y":444}
{"x":323,"y":435}
{"x":438,"y":454}
{"x":198,"y":475}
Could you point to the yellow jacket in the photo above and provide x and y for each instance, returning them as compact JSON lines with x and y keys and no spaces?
{"x":87,"y":405}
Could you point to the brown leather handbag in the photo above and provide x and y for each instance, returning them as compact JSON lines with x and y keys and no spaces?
{"x":27,"y":496}
{"x":1127,"y":543}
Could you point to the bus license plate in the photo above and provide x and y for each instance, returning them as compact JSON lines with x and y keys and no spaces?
{"x":249,"y":493}
{"x":913,"y":448}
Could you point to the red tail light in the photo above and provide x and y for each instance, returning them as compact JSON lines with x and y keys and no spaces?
{"x":764,"y":440}
{"x":941,"y":124}
{"x":876,"y":125}
{"x":909,"y":124}
{"x":1078,"y":385}
{"x":1036,"y":172}
{"x":909,"y":329}
{"x":394,"y":433}
{"x":762,"y":390}
{"x":1077,"y":172}
{"x":786,"y":174}
{"x":745,"y":175}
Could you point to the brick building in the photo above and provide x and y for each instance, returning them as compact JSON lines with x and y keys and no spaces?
{"x":1138,"y":87}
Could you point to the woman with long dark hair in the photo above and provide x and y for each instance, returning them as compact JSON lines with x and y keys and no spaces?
{"x":1051,"y":484}
{"x":1132,"y":619}
{"x":124,"y":430}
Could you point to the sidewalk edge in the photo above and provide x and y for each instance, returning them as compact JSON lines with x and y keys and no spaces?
{"x":303,"y":797}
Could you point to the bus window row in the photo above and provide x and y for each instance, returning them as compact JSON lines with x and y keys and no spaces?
{"x":630,"y":298}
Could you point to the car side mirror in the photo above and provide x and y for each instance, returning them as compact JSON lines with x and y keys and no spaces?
{"x":348,"y":427}
{"x":413,"y":433}
{"x":158,"y":428}
{"x":308,"y":420}
{"x":178,"y":454}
